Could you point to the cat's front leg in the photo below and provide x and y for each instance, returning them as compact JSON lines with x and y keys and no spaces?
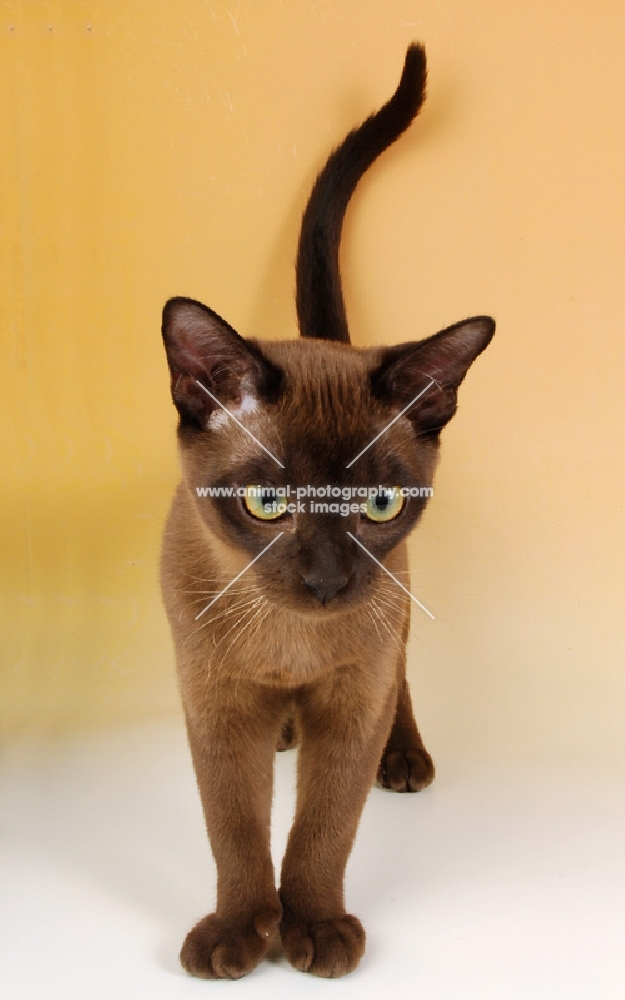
{"x":343,"y":729}
{"x":233,"y":745}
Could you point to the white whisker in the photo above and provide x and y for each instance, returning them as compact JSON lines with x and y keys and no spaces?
{"x":392,"y":632}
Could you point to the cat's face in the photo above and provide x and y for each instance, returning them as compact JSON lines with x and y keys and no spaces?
{"x":304,"y":411}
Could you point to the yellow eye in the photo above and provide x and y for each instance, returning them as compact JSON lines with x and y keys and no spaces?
{"x":385,"y":506}
{"x":266,"y":507}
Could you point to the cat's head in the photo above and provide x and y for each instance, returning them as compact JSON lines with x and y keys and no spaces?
{"x":305,"y":415}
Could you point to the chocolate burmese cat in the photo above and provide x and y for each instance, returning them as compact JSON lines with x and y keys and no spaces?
{"x":308,"y":643}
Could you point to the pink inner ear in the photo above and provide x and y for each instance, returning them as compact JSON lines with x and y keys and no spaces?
{"x":202,"y":347}
{"x":197,"y":340}
{"x":190,"y":351}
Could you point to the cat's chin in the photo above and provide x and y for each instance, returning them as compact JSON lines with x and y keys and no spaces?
{"x":308,"y":607}
{"x":305,"y":607}
{"x":336,"y":607}
{"x":324,"y":612}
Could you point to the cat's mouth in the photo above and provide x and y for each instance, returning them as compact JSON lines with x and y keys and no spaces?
{"x":325,"y":589}
{"x":355,"y":596}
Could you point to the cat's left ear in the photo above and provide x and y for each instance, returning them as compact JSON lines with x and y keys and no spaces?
{"x":202,"y":348}
{"x":442,"y":360}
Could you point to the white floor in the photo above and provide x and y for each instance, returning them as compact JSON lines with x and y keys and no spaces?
{"x":505,"y":880}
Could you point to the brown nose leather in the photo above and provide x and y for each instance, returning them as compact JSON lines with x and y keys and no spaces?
{"x":324,"y":588}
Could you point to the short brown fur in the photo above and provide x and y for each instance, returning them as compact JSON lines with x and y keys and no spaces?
{"x":308,"y":645}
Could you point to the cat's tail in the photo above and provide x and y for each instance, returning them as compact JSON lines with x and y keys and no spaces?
{"x":319,"y":296}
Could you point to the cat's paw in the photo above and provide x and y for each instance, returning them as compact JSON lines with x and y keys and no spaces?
{"x":409,"y":770}
{"x":216,"y":950}
{"x":328,"y":948}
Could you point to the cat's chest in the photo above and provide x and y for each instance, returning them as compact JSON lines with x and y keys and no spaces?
{"x":290,"y":651}
{"x":297,"y":651}
{"x":273,"y":647}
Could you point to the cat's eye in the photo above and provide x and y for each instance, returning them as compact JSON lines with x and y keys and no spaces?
{"x":384,"y":506}
{"x":267,"y":506}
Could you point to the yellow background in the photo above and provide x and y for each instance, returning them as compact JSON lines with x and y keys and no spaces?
{"x":153,"y":148}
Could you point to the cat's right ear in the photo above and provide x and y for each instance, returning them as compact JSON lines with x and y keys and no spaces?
{"x":202,"y":348}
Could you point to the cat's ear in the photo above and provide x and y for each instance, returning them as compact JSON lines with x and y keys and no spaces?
{"x":202,"y":347}
{"x":438,"y":363}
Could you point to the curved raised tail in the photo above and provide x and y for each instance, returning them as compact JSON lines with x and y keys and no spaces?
{"x":319,"y":295}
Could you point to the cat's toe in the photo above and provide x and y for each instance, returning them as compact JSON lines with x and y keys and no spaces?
{"x":216,"y":950}
{"x":327,"y":948}
{"x":409,"y":770}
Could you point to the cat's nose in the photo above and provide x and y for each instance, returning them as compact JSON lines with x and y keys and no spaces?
{"x":325,"y":588}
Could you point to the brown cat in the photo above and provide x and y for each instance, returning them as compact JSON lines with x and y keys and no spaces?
{"x":309,"y":641}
